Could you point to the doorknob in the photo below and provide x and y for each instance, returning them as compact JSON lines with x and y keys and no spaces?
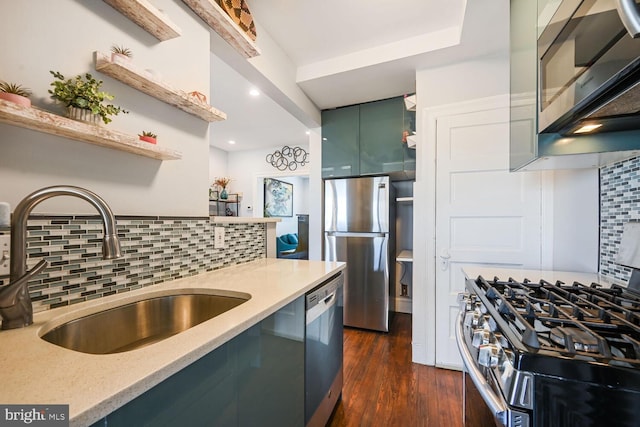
{"x":444,"y":254}
{"x":444,"y":259}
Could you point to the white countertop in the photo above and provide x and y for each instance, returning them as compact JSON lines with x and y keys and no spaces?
{"x":33,"y":371}
{"x":552,"y":276}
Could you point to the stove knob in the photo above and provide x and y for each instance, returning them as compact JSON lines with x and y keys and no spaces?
{"x":469,"y":319}
{"x":488,"y":323}
{"x":463,"y":300}
{"x":489,"y":355}
{"x":480,"y":338}
{"x":500,"y":339}
{"x":480,"y":308}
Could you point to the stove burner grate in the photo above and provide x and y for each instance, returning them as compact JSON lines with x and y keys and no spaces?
{"x":575,"y":338}
{"x":569,"y":319}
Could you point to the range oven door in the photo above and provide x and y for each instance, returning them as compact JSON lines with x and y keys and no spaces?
{"x":475,"y":411}
{"x":588,"y":65}
{"x":484,"y":402}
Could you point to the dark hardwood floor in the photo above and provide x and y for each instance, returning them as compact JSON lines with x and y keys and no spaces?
{"x":382,"y":387}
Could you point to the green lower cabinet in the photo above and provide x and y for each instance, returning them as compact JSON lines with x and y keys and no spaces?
{"x":257,"y":378}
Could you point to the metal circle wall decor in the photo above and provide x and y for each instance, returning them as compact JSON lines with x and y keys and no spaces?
{"x":288,"y":158}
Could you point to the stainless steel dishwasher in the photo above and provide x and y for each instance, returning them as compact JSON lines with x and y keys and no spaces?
{"x":323,"y":350}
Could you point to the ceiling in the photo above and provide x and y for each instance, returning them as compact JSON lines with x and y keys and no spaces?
{"x":348,"y":52}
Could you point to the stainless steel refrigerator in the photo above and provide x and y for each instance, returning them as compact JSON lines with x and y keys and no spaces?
{"x":358,"y":229}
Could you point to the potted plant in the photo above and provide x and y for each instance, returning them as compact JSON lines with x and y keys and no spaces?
{"x":222,"y":183}
{"x":83,"y":98}
{"x":120,"y":53}
{"x":15,"y":93}
{"x":149,"y":137}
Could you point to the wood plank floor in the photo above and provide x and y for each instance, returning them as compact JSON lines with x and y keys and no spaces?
{"x":382,"y":387}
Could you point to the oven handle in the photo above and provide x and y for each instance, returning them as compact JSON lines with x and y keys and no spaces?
{"x":496,"y":404}
{"x":629,"y":16}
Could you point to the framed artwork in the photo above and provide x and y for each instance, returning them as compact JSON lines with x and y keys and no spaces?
{"x":278,"y":198}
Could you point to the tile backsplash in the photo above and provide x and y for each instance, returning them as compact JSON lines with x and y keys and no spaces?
{"x":619,"y":204}
{"x":155,"y":250}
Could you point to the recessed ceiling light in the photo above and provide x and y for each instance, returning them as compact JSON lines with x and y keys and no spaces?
{"x":588,"y":128}
{"x":308,"y":132}
{"x":254,"y":92}
{"x":231,"y":142}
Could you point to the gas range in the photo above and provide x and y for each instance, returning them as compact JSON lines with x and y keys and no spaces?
{"x":560,"y":353}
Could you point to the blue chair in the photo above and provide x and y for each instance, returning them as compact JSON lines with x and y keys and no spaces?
{"x":286,"y":242}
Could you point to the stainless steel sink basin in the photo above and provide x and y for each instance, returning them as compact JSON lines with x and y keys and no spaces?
{"x":141,"y":323}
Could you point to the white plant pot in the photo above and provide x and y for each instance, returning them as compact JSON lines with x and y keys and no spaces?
{"x":120,"y":58}
{"x":83,"y":115}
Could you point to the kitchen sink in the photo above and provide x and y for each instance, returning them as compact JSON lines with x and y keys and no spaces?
{"x":141,"y":323}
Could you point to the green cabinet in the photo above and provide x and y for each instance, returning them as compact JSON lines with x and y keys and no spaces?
{"x":340,"y":142}
{"x":523,"y":135}
{"x":366,"y":139}
{"x":381,"y":126}
{"x":257,"y":378}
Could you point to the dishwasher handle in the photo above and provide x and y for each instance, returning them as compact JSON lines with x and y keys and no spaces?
{"x":321,"y":307}
{"x":323,"y":298}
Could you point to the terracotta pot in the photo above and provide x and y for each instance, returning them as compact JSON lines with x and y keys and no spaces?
{"x":148,"y":139}
{"x":83,"y":115}
{"x":16,"y":99}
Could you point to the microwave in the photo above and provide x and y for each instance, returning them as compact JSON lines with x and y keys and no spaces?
{"x":589,"y":68}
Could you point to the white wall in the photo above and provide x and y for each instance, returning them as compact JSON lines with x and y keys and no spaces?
{"x":574,"y":219}
{"x":289,"y":225}
{"x":316,"y":191}
{"x":462,"y":81}
{"x":245,"y":169}
{"x":272,"y":71}
{"x":41,"y":35}
{"x":217,"y":163}
{"x":248,"y":168}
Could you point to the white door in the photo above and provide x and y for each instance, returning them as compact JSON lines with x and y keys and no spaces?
{"x":485,"y":215}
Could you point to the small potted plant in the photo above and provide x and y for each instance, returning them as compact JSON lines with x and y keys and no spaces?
{"x":222,"y":183}
{"x":83,"y":98}
{"x":120,"y":53}
{"x":15,"y":93}
{"x":149,"y":137}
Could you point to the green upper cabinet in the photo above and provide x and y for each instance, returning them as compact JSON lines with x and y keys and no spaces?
{"x":381,"y":126}
{"x":340,"y":142}
{"x":366,"y":139}
{"x":523,"y":62}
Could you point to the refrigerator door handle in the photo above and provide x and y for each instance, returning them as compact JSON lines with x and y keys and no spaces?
{"x":350,"y":234}
{"x":381,"y":206}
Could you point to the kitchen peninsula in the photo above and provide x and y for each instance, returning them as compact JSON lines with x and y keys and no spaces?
{"x":94,"y":386}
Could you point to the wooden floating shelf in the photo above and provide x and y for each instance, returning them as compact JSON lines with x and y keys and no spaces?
{"x":139,"y":79}
{"x":211,"y":13}
{"x":53,"y":124}
{"x":148,"y":17}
